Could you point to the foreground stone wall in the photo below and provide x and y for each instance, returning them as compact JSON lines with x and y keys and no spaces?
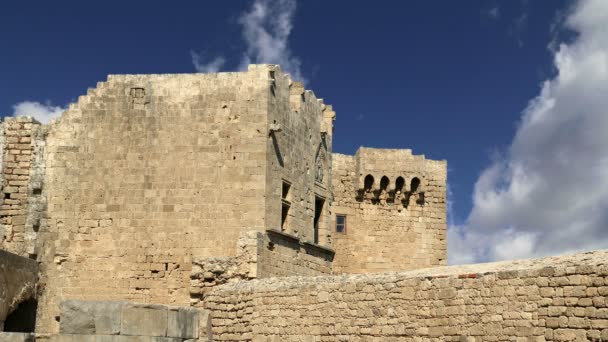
{"x":559,"y":298}
{"x":18,"y":282}
{"x":390,"y":226}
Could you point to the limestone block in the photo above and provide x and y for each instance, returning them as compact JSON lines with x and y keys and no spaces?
{"x":16,"y":337}
{"x":204,"y":325}
{"x":182,"y":322}
{"x":90,"y":317}
{"x":110,"y":338}
{"x":144,"y":320}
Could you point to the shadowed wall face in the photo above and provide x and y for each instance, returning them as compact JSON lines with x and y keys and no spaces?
{"x":18,"y":284}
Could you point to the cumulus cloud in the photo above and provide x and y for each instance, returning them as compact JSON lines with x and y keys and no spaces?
{"x":202,"y":65}
{"x":40,"y":111}
{"x":266,"y":27}
{"x":549,"y":194}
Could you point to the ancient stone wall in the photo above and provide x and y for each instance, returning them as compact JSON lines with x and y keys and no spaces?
{"x":299,"y":160}
{"x":259,"y":255}
{"x":144,"y":173}
{"x":559,"y":298}
{"x":21,"y":180}
{"x":396,"y":220}
{"x":18,"y":283}
{"x":282,"y":254}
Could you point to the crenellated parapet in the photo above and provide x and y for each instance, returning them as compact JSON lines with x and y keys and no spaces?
{"x":391,"y":176}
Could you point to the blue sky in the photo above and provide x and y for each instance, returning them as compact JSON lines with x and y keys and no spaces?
{"x":448,"y":79}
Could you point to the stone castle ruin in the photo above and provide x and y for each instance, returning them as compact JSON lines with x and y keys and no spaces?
{"x":199,"y":207}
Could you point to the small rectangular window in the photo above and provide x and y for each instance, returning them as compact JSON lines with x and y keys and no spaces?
{"x":284,"y":214}
{"x":341,"y":223}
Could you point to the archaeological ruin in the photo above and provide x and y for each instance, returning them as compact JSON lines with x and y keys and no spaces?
{"x":210,"y":207}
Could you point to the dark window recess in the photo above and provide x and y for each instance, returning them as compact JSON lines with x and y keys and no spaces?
{"x":285,"y":204}
{"x":414,"y":184}
{"x":284,"y":214}
{"x":37,"y":191}
{"x":23,"y":319}
{"x":285,"y":192}
{"x":341,"y":223}
{"x":319,"y":202}
{"x":368,"y":182}
{"x":399,"y":184}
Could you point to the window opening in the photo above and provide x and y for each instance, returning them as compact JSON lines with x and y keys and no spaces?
{"x":341,"y":223}
{"x":319,"y":202}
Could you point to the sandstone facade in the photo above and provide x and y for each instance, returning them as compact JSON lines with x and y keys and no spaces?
{"x":394,"y":207}
{"x":158,"y":188}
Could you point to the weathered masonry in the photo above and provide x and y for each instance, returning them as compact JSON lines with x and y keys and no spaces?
{"x":389,"y":208}
{"x":158,"y":188}
{"x":552,"y":299}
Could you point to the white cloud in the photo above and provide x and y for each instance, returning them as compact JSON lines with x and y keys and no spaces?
{"x":549,"y":194}
{"x":266,"y":29}
{"x":40,"y":111}
{"x":201,"y":65}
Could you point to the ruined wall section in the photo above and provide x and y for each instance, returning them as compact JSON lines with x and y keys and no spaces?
{"x":282,"y":255}
{"x":392,"y":223}
{"x":557,"y":299}
{"x":22,"y":141}
{"x":299,"y":155}
{"x":18,"y":283}
{"x":259,"y":255}
{"x":144,"y":173}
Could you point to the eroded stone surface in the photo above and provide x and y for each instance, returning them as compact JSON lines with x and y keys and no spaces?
{"x":91,"y":317}
{"x":18,"y":282}
{"x":16,"y":337}
{"x":558,"y":298}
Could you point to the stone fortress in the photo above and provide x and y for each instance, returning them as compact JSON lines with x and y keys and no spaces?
{"x":200,"y":207}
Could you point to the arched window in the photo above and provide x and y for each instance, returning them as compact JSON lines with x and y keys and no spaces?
{"x":414,"y":184}
{"x":384,"y":182}
{"x":399,"y":183}
{"x":368,"y":182}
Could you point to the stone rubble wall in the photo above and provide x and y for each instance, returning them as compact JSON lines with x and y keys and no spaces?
{"x":558,"y":298}
{"x":116,"y":321}
{"x":21,"y":180}
{"x":259,"y":255}
{"x":282,"y":255}
{"x":18,"y":282}
{"x":398,"y":232}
